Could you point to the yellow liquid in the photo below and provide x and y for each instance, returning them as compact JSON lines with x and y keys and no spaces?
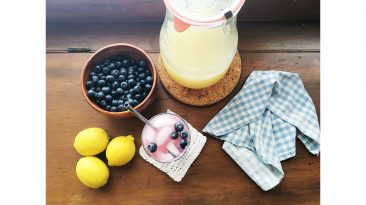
{"x":198,"y":58}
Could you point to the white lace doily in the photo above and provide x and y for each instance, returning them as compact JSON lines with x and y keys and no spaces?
{"x":178,"y":169}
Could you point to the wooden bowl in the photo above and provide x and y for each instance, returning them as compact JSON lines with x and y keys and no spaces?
{"x":111,"y":51}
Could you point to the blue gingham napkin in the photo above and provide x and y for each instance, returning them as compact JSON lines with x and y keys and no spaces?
{"x":260,"y":124}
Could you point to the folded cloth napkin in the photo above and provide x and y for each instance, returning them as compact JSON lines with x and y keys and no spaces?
{"x":260,"y":124}
{"x":178,"y":169}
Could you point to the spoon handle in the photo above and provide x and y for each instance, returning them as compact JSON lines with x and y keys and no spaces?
{"x":138,"y":115}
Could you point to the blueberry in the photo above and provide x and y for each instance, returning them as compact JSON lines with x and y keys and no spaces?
{"x":91,"y":94}
{"x":149,"y":79}
{"x":138,"y":97}
{"x":95,"y":79}
{"x":110,"y":78}
{"x":129,"y":96}
{"x":130,"y":101}
{"x":106,"y":90}
{"x":103,"y":77}
{"x":112,"y":66}
{"x":98,"y":89}
{"x":100,"y":75}
{"x":140,"y":70}
{"x":147,"y":72}
{"x":121,"y":78}
{"x":89,"y":84}
{"x":118,"y":64}
{"x":125,"y":92}
{"x":115,"y":73}
{"x":124,"y":85}
{"x":131,"y":69}
{"x":107,"y":62}
{"x":91,"y":74}
{"x":135,"y":102}
{"x":98,"y":69}
{"x":108,"y":98}
{"x":100,"y":95}
{"x":114,"y":109}
{"x":121,"y":108}
{"x":183,"y":143}
{"x":114,"y":93}
{"x":131,"y":91}
{"x":123,"y":71}
{"x":131,"y":83}
{"x":142,"y":75}
{"x":121,"y":102}
{"x":119,"y":91}
{"x":144,"y":94}
{"x":108,"y":108}
{"x":178,"y":126}
{"x":114,"y":103}
{"x":131,"y":77}
{"x":152,"y":147}
{"x":130,"y":73}
{"x":106,"y":70}
{"x":147,"y":87}
{"x":142,"y":82}
{"x":126,"y":63}
{"x":141,"y":63}
{"x":174,"y":135}
{"x":137,"y":89}
{"x":184,"y":134}
{"x":102,"y":83}
{"x":133,"y":62}
{"x":103,"y":104}
{"x":93,"y":88}
{"x":115,"y":85}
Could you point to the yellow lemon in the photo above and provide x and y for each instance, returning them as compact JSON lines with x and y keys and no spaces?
{"x":92,"y":172}
{"x":91,"y":141}
{"x":120,"y":150}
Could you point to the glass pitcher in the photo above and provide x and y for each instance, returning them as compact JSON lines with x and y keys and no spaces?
{"x":198,"y":40}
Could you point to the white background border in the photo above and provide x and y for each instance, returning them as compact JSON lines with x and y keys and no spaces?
{"x":343,"y":102}
{"x":22,"y":102}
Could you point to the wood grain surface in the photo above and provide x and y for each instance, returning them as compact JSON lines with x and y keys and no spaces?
{"x":214,"y":177}
{"x":154,"y":10}
{"x":253,"y":37}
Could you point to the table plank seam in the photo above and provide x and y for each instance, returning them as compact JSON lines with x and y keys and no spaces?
{"x":240,"y":51}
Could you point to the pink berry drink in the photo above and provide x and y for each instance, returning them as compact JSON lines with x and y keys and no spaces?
{"x":168,"y":140}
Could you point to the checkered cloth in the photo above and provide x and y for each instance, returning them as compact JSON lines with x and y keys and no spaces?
{"x":260,"y":124}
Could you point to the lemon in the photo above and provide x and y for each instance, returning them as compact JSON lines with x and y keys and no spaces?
{"x":92,"y":172}
{"x":120,"y":150}
{"x":91,"y":141}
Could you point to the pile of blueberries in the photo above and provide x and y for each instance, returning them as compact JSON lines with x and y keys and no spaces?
{"x":119,"y":80}
{"x":178,"y":131}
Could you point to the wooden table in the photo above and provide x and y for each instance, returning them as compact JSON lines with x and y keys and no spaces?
{"x":214,"y":177}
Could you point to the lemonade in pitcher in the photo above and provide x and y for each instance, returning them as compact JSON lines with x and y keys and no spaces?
{"x":197,"y":53}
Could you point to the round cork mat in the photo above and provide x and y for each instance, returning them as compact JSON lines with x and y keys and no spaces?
{"x":205,"y":96}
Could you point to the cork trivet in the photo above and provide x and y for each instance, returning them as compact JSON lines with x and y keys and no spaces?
{"x":205,"y":96}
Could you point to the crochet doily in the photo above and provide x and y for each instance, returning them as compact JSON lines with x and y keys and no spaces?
{"x":178,"y":169}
